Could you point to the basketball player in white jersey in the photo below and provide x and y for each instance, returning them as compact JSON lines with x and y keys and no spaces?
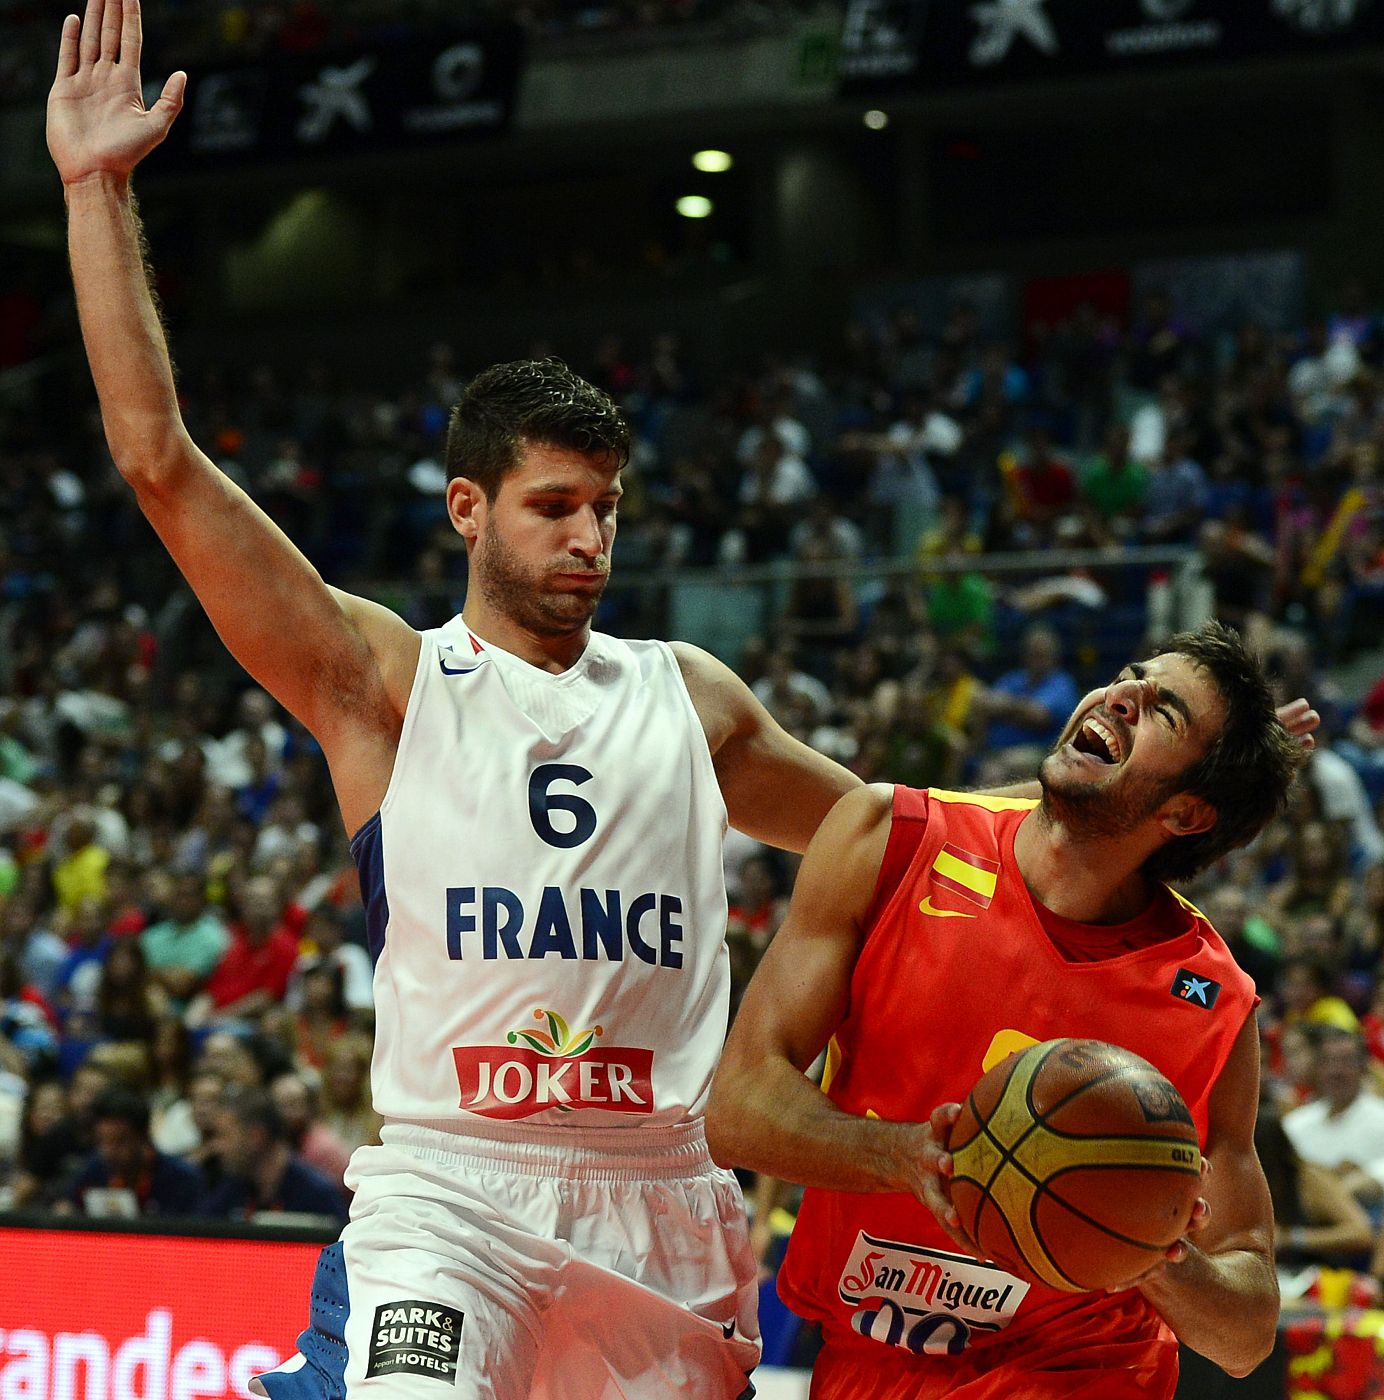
{"x":538,"y":813}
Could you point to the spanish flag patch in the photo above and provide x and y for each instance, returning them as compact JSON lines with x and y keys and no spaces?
{"x":968,"y":875}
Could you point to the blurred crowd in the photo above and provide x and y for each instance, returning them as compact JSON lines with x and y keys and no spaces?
{"x":185,"y":1001}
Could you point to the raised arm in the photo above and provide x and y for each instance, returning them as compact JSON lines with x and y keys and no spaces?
{"x":764,"y":1112}
{"x":342,"y":665}
{"x":776,"y":788}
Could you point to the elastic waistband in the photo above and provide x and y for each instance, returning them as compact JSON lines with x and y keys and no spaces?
{"x":576,"y":1154}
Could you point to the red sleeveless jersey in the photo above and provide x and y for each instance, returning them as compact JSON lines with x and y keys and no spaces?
{"x":955,"y":973}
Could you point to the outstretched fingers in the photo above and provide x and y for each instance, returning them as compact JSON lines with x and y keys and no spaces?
{"x":110,"y":30}
{"x":131,"y":33}
{"x":68,"y":47}
{"x":91,"y":32}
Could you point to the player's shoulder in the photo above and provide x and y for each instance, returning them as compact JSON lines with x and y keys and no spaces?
{"x":1213,"y":946}
{"x":980,"y":801}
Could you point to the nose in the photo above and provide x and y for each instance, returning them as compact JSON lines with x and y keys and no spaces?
{"x":587,"y":541}
{"x":1122,"y":699}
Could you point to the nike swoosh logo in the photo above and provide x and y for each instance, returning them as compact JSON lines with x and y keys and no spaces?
{"x":927,"y":907}
{"x":454,"y":670}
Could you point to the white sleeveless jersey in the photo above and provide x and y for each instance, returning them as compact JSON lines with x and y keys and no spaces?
{"x":544,"y":893}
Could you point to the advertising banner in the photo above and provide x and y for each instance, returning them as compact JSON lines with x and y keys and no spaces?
{"x":348,"y":101}
{"x":108,"y":1316}
{"x":941,"y":43}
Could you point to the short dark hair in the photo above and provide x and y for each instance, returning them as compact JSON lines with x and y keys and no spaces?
{"x":122,"y":1106}
{"x":538,"y":401}
{"x":1247,"y":772}
{"x":255,"y":1109}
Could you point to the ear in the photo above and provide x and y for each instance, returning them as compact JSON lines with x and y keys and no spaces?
{"x":1187,"y":815}
{"x":466,"y":505}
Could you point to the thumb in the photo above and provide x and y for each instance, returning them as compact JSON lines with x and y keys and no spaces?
{"x":170,"y":101}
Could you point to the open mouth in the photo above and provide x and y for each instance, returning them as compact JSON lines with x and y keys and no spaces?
{"x":1097,"y":740}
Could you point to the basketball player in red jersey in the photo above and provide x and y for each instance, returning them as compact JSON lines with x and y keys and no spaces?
{"x":930,"y":935}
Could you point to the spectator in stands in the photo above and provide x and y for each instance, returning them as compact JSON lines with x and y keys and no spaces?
{"x":1316,"y":1219}
{"x":1248,"y":935}
{"x":78,"y":980}
{"x":254,"y":971}
{"x":1319,"y":874}
{"x":171,"y":1125}
{"x":759,"y":905}
{"x":1114,"y":488}
{"x":324,"y":941}
{"x":81,"y":873}
{"x":820,"y":614}
{"x":323,"y":1017}
{"x":346,"y":1106}
{"x":1041,"y":492}
{"x":1295,"y":1077}
{"x":205,"y":1092}
{"x":785,"y":688}
{"x":259,"y":1171}
{"x":28,"y":1024}
{"x":1027,"y":707}
{"x":1342,"y":1128}
{"x":51,"y":1149}
{"x":1345,"y":803}
{"x":1175,"y":500}
{"x":1307,"y":988}
{"x":960,"y":602}
{"x":299,"y":1105}
{"x":128,"y":1003}
{"x":127,"y":1176}
{"x":231,"y":1054}
{"x":183,"y":949}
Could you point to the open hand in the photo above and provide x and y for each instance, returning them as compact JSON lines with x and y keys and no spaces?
{"x":97,"y":121}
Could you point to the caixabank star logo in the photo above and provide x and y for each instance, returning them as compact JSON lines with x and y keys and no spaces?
{"x":553,"y":1067}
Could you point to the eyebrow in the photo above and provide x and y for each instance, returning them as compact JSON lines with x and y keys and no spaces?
{"x":1168,"y":697}
{"x":566,"y":488}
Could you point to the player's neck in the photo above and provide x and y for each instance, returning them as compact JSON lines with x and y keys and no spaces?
{"x":548,"y":653}
{"x":1088,"y":879}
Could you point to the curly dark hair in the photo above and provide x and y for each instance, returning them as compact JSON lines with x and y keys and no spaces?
{"x":1249,"y":769}
{"x":538,"y":401}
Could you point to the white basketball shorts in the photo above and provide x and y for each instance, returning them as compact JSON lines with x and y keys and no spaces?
{"x":535,"y":1265}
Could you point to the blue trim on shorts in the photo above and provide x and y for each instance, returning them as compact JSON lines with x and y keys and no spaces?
{"x":367,"y":846}
{"x":323,"y":1343}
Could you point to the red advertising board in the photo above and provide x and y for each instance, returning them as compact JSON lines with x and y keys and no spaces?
{"x":108,"y":1316}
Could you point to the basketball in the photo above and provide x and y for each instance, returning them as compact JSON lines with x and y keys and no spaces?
{"x":1076,"y":1165}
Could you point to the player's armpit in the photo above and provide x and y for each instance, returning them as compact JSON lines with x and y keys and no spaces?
{"x":764,"y":1112}
{"x":775,"y":787}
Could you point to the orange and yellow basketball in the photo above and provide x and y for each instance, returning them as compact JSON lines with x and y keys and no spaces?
{"x":1076,"y":1165}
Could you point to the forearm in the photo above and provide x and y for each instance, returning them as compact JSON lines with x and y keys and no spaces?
{"x":124,"y":339}
{"x":1030,"y":791}
{"x":1340,"y":1238}
{"x":774,"y":1120}
{"x":1223,"y":1305}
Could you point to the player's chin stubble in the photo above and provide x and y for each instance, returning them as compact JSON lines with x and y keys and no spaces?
{"x":521,"y":593}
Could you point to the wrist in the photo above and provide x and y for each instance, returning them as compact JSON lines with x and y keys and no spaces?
{"x":97,"y":182}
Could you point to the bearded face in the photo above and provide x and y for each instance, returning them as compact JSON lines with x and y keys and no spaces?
{"x":1129,"y":747}
{"x":540,"y":597}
